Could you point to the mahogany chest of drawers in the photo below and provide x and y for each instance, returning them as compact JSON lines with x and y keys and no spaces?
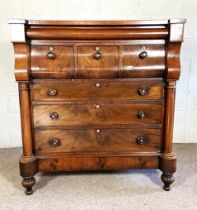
{"x":97,"y":95}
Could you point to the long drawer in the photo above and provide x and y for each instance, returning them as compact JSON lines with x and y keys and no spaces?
{"x":96,"y":114}
{"x":96,"y":90}
{"x":90,"y":140}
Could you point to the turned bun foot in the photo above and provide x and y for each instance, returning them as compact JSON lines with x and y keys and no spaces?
{"x":28,"y":183}
{"x":167,"y":179}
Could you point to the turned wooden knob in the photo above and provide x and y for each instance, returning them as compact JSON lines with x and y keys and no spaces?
{"x":51,"y":55}
{"x":143,"y":54}
{"x":52,"y":92}
{"x":140,"y":140}
{"x":143,"y":91}
{"x":141,"y":114}
{"x":54,"y":142}
{"x":54,"y":115}
{"x":97,"y":55}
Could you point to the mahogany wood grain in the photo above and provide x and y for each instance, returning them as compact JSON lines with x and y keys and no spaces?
{"x":105,"y":66}
{"x":74,"y":90}
{"x":25,"y":118}
{"x":89,"y":114}
{"x":97,"y":95}
{"x":169,"y":116}
{"x":96,"y":163}
{"x":173,"y":61}
{"x":152,"y":65}
{"x":28,"y":161}
{"x":108,"y":65}
{"x":21,"y":68}
{"x":89,"y":140}
{"x":96,"y":33}
{"x":61,"y":64}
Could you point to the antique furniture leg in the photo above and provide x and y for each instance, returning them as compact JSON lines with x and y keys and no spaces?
{"x":28,"y":183}
{"x":167,"y":179}
{"x":168,"y":159}
{"x":27,"y":162}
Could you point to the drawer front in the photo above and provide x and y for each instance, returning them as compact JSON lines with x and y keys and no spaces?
{"x":143,"y":60}
{"x":96,"y":114}
{"x":89,"y":140}
{"x":52,"y":61}
{"x":97,"y":62}
{"x":96,"y":90}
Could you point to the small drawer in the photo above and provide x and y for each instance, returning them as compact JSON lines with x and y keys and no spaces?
{"x":97,"y":61}
{"x":97,"y":114}
{"x":52,"y":61}
{"x":96,"y":90}
{"x":146,"y":60}
{"x":97,"y":140}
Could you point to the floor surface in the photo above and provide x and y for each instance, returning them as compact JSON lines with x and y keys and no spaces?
{"x":121,"y":190}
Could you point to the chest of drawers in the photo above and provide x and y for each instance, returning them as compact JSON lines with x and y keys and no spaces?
{"x":97,"y":95}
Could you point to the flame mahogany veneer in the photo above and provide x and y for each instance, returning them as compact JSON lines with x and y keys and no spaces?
{"x":97,"y":95}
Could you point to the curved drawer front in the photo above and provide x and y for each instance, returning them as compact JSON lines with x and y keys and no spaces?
{"x":96,"y":114}
{"x":89,"y":140}
{"x":97,"y":61}
{"x":143,"y":60}
{"x":96,"y":90}
{"x":106,"y":32}
{"x":52,"y":61}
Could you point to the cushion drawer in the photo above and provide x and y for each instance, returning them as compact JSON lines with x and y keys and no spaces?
{"x":96,"y":114}
{"x":97,"y":61}
{"x":146,"y":60}
{"x":52,"y":61}
{"x":88,"y":140}
{"x":96,"y":90}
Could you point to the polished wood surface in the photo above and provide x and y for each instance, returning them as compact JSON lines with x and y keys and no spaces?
{"x":61,"y":62}
{"x":98,"y":60}
{"x":97,"y":114}
{"x":97,"y":95}
{"x":22,"y":56}
{"x":96,"y":90}
{"x":153,"y":64}
{"x":25,"y":119}
{"x":95,"y":140}
{"x":96,"y":33}
{"x":96,"y":163}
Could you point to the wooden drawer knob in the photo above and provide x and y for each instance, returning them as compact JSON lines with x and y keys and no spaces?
{"x":51,"y":55}
{"x":143,"y":91}
{"x":54,"y":115}
{"x":143,"y":55}
{"x":54,"y":142}
{"x":140,"y":140}
{"x":141,"y":114}
{"x":97,"y":55}
{"x":52,"y":92}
